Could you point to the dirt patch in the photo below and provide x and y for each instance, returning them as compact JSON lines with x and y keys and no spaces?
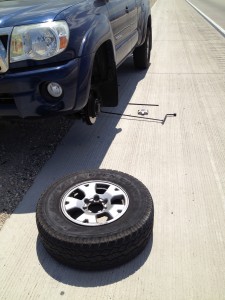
{"x":25,"y":146}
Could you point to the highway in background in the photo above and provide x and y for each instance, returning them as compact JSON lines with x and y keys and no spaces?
{"x":214,"y":9}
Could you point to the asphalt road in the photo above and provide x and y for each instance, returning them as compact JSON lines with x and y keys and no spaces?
{"x":181,"y":162}
{"x":214,"y":9}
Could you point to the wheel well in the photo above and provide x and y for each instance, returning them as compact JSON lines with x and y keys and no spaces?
{"x":104,"y":76}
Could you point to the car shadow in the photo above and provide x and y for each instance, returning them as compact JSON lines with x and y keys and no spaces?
{"x":84,"y":147}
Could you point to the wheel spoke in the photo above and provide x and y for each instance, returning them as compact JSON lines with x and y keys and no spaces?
{"x":71,"y":203}
{"x":89,"y":218}
{"x":111,"y":192}
{"x":115,"y":209}
{"x":89,"y":189}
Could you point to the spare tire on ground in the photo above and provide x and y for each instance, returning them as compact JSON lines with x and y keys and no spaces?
{"x":96,"y":219}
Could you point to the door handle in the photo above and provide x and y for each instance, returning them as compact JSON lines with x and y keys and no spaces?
{"x":127,"y":9}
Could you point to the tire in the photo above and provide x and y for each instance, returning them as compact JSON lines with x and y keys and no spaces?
{"x":142,"y":54}
{"x":119,"y":230}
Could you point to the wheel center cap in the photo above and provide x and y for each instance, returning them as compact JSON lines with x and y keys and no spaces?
{"x":96,"y":206}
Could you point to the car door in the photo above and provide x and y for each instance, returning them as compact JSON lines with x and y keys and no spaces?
{"x":132,"y":9}
{"x":118,"y":15}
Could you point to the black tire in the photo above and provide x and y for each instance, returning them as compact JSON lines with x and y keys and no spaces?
{"x":95,"y":247}
{"x":142,"y":54}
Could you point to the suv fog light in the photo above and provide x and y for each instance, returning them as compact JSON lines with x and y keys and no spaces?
{"x":54,"y":89}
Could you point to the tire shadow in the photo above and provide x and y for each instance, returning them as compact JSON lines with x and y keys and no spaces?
{"x":80,"y":278}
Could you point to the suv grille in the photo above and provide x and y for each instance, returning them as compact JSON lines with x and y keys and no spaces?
{"x":4,"y":49}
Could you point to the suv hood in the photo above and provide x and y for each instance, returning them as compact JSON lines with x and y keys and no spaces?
{"x":23,"y":12}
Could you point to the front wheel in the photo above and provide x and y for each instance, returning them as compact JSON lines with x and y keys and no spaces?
{"x":141,"y":55}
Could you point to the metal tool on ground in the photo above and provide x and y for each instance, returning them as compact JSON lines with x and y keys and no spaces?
{"x":168,"y":115}
{"x":141,"y":112}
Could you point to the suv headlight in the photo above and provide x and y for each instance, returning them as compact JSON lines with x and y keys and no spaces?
{"x":38,"y":41}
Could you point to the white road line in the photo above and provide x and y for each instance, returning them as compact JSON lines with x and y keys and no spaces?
{"x":214,"y":24}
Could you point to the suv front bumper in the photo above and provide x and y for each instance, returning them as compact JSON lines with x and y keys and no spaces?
{"x":21,"y":92}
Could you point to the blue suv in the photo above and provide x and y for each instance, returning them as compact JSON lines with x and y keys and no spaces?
{"x":60,"y":57}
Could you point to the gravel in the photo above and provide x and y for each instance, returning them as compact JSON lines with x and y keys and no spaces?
{"x":25,"y":146}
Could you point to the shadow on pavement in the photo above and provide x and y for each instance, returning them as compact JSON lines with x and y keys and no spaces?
{"x":25,"y":146}
{"x":84,"y":147}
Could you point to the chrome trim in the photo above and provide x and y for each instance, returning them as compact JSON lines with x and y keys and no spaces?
{"x":4,"y":53}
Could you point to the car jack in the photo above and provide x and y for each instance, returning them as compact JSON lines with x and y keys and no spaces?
{"x":162,"y":121}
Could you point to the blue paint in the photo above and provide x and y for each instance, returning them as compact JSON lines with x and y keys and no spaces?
{"x":91,"y":23}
